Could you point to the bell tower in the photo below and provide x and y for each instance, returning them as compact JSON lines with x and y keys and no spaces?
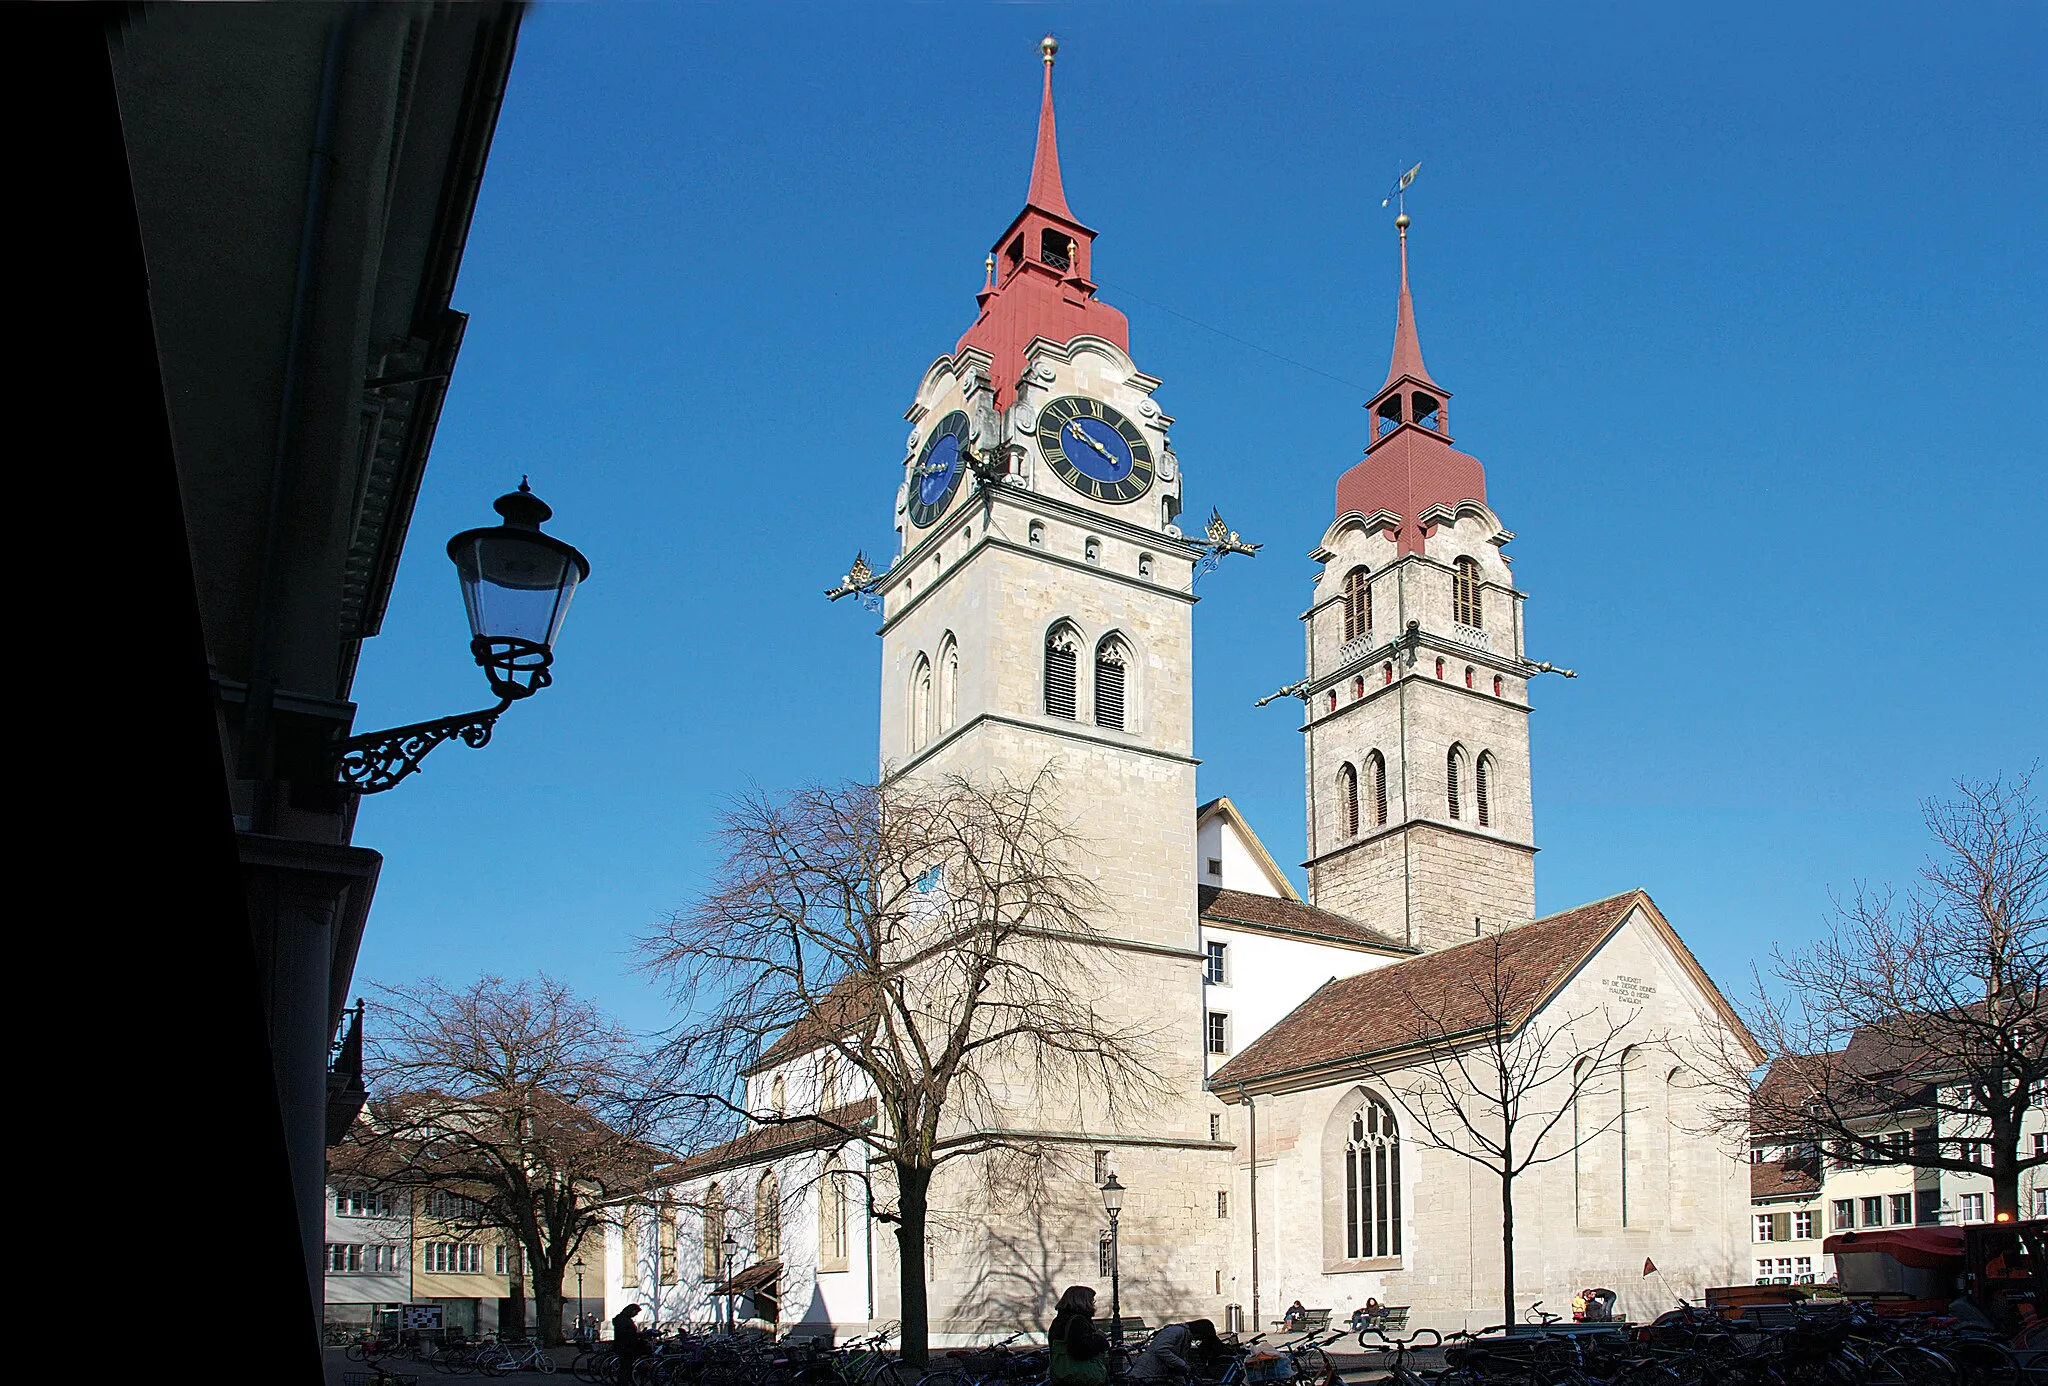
{"x":1039,"y":613}
{"x":1417,"y":726}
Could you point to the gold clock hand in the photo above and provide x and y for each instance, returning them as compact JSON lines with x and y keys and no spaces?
{"x":1076,"y":430}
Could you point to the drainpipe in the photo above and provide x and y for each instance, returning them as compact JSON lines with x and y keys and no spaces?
{"x":1252,"y":1110}
{"x":256,"y":748}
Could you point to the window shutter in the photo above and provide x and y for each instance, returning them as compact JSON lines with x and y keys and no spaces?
{"x":1109,"y":690}
{"x":1059,"y":681}
{"x":1379,"y":790}
{"x":1485,"y":798}
{"x":1451,"y":768}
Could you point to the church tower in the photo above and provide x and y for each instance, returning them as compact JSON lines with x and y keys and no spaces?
{"x":1039,"y":613}
{"x":1417,"y":728}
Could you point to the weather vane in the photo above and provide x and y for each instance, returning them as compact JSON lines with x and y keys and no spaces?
{"x":1399,"y":192}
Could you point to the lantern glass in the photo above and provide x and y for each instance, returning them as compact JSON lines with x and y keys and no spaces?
{"x":516,"y":584}
{"x":1112,"y":1196}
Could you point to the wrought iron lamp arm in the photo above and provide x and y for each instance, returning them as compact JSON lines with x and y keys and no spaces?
{"x":376,"y":761}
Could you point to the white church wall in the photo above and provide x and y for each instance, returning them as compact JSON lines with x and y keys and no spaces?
{"x":1686,"y":1204}
{"x":1226,"y":860}
{"x":1267,"y":977}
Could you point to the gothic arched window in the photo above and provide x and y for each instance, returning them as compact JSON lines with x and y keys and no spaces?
{"x":1376,"y":784}
{"x":949,"y":683}
{"x":1347,"y":800}
{"x":1465,"y":594}
{"x":1061,"y":650}
{"x":1112,"y":688}
{"x":767,"y":1218}
{"x":1454,"y":774}
{"x":832,"y":1216}
{"x":921,"y":704}
{"x":1372,"y":1183}
{"x":1357,"y":605}
{"x":1482,"y":789}
{"x":714,"y":1230}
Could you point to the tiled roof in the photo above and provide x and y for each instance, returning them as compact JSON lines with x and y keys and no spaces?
{"x":842,"y":1008}
{"x":1291,"y":917}
{"x":1427,"y":996}
{"x":772,"y":1142}
{"x":1782,"y":1179}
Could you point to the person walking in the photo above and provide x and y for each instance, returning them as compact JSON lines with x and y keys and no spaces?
{"x":629,"y":1344}
{"x":1080,"y":1354}
{"x":1178,"y":1353}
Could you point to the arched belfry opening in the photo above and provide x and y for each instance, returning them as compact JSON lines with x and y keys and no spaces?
{"x":1056,"y":248}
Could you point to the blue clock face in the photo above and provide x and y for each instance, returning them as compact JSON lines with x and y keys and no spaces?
{"x":935,"y":475}
{"x":1095,"y":449}
{"x":935,"y":472}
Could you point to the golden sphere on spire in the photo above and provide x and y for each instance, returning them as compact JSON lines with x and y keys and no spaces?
{"x":1048,"y":46}
{"x":1401,"y":222}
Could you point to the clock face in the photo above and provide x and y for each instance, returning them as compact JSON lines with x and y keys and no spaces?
{"x":1095,"y":450}
{"x":936,"y":475}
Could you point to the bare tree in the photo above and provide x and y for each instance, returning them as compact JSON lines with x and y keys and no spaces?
{"x":931,"y":936}
{"x":1924,"y":1005}
{"x":1483,"y":1073}
{"x":514,"y":1107}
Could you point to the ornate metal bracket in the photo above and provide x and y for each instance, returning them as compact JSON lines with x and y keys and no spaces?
{"x":860,"y":581}
{"x":1222,"y":539}
{"x":375,"y":761}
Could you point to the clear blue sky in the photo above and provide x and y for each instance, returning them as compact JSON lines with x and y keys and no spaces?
{"x":1743,"y":310}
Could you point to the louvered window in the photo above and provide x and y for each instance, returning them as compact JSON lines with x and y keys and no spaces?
{"x":1357,"y":605}
{"x":1483,"y":791}
{"x":1465,"y":594}
{"x":1109,"y":686}
{"x":1059,"y":677}
{"x":1453,"y":768}
{"x":1347,"y":794}
{"x":1377,"y":769}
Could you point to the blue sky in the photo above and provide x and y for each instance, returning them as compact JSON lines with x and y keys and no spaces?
{"x":1743,"y":309}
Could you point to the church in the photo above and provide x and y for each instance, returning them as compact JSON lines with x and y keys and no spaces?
{"x":1039,"y":611}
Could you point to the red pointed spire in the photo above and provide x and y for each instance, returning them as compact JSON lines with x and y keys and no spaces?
{"x":1039,"y":283}
{"x":1407,"y":346}
{"x":1046,"y":193}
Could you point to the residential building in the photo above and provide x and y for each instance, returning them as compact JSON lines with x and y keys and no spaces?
{"x":302,"y":178}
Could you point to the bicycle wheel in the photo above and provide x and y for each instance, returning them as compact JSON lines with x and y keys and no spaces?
{"x":1905,"y":1364}
{"x":1983,"y":1362}
{"x":943,"y":1376}
{"x":543,"y":1363}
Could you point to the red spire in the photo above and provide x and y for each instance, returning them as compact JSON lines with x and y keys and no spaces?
{"x":1046,"y":193}
{"x":1038,"y":283}
{"x":1407,"y":346}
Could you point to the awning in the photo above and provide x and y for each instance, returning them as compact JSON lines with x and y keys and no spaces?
{"x":760,"y":1276}
{"x":1929,"y":1248}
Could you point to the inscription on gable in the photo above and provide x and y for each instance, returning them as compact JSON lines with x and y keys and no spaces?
{"x":1631,"y":991}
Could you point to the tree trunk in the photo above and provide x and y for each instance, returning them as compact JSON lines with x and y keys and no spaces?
{"x":2005,"y":1181}
{"x":1507,"y":1246}
{"x":912,"y":1187}
{"x":546,"y":1288}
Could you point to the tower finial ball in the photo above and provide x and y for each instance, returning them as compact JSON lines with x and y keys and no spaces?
{"x":1049,"y":46}
{"x":1401,"y":222}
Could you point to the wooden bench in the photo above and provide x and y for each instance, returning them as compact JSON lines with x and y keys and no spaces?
{"x":1392,"y":1318}
{"x":1307,"y":1321}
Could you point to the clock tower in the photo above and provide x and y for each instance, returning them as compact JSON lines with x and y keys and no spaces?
{"x":1038,"y":614}
{"x":1419,"y":817}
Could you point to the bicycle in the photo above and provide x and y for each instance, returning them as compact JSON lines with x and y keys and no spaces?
{"x":503,"y":1359}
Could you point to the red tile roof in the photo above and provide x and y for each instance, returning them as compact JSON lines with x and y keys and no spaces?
{"x":1268,"y":912}
{"x":846,"y":1006}
{"x":1392,"y":1007}
{"x":1782,"y":1179}
{"x":772,"y":1142}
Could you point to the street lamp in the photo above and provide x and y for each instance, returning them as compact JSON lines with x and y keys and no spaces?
{"x":1113,"y":1204}
{"x":516,"y":586}
{"x":731,"y":1248}
{"x":578,"y":1264}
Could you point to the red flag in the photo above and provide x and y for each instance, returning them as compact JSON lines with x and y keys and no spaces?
{"x":1648,"y":1265}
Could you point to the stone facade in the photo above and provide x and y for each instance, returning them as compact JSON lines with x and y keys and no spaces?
{"x":1398,"y":701}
